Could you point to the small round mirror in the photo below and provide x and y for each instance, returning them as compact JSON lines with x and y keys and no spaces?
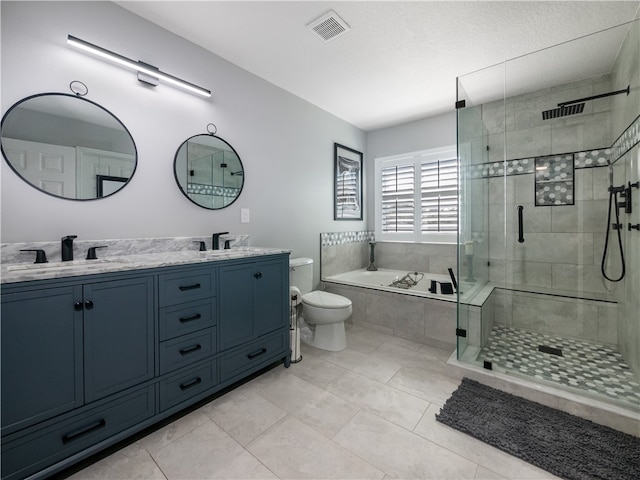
{"x":67,"y":146}
{"x":208,"y":171}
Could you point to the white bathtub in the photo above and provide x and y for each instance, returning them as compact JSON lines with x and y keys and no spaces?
{"x":382,"y":279}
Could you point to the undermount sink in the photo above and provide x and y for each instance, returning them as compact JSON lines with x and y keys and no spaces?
{"x":36,"y":267}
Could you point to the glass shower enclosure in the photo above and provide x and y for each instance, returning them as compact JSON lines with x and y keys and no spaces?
{"x":549,"y":213}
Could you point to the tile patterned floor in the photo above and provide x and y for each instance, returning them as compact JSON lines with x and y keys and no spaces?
{"x":590,"y":367}
{"x":364,"y":413}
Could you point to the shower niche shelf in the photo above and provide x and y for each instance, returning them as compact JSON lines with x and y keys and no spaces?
{"x":554,"y":180}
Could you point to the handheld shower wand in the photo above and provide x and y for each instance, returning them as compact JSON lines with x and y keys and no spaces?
{"x":613,"y":203}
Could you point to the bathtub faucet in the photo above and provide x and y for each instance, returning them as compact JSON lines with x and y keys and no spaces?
{"x":372,"y":267}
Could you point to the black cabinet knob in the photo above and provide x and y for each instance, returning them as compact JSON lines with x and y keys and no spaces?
{"x":88,"y":304}
{"x":258,"y":275}
{"x":77,"y":306}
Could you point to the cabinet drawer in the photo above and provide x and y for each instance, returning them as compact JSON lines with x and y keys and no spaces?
{"x":182,"y":351}
{"x":185,"y":385}
{"x":42,"y":448}
{"x":184,"y":287}
{"x":252,"y":354}
{"x":186,"y":318}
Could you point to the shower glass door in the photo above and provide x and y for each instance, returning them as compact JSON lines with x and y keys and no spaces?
{"x":535,"y":142}
{"x":480,"y":154}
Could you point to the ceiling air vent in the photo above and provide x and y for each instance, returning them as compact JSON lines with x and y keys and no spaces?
{"x":329,"y":26}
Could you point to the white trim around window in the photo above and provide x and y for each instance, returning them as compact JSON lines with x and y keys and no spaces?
{"x":416,"y":196}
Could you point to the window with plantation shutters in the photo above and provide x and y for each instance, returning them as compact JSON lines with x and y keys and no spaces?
{"x":398,"y":202}
{"x":439,"y":195}
{"x":417,"y":196}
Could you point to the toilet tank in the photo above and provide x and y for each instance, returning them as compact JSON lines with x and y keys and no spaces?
{"x":301,"y":274}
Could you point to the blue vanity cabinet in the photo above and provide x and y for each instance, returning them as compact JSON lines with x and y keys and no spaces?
{"x":253,"y":323}
{"x":118,"y":335}
{"x":252,"y":300}
{"x":88,"y":361}
{"x":73,"y":353}
{"x":188,"y":335}
{"x":42,"y":365}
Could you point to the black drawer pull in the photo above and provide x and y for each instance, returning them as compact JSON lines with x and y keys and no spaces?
{"x":253,"y":355}
{"x":193,"y":348}
{"x":258,"y":275}
{"x":189,"y":287}
{"x":83,"y":431}
{"x":191,"y":383}
{"x":197,"y":316}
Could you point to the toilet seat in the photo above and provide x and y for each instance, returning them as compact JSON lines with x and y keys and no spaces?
{"x":321,"y":299}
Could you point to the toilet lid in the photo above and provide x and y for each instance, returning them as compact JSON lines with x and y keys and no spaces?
{"x":325,"y":300}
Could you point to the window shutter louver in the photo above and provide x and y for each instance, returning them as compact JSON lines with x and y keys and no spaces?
{"x":439,"y":196}
{"x":398,"y":202}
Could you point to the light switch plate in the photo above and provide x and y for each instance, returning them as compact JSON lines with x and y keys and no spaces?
{"x":244,"y":215}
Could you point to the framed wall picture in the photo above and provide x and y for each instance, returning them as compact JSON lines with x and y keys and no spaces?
{"x":347,"y":202}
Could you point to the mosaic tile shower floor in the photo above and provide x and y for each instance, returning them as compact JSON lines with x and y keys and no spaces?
{"x":594,"y":368}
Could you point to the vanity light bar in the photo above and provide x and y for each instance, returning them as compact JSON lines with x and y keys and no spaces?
{"x":136,"y":65}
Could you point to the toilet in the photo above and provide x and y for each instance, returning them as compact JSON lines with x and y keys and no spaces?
{"x":324,"y":312}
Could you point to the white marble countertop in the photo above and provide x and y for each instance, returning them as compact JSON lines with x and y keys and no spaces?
{"x":24,"y":272}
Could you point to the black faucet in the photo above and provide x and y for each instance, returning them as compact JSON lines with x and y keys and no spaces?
{"x":67,"y":247}
{"x":215,"y":240}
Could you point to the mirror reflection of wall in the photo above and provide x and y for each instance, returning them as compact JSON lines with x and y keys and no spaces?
{"x":209,"y":172}
{"x":60,"y":144}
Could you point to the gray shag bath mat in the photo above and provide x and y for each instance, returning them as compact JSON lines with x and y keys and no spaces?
{"x":560,"y":443}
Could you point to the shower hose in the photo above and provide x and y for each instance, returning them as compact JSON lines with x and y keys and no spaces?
{"x":613,"y":202}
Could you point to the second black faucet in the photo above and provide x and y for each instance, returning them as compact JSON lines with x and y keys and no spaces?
{"x":67,"y":247}
{"x":215,"y":240}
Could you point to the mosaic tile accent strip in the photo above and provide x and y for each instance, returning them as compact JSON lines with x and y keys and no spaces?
{"x":554,"y":180}
{"x":342,"y":238}
{"x":521,"y":166}
{"x":590,"y":367}
{"x":625,"y":142}
{"x":496,"y":169}
{"x":592,"y":158}
{"x":215,"y":190}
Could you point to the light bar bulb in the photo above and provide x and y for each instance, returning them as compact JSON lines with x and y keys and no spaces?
{"x":138,"y":66}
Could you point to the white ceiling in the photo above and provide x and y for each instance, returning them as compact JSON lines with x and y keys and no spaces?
{"x":399,"y":61}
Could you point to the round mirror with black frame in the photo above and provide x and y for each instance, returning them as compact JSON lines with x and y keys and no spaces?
{"x":67,"y":146}
{"x":209,"y":171}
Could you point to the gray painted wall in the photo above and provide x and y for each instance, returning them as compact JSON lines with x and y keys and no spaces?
{"x":286,"y":144}
{"x":431,"y":132}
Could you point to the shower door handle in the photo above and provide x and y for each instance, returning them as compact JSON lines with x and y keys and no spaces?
{"x":520,"y":225}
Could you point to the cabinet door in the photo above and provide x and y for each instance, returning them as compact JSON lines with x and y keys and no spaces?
{"x":118,"y":335}
{"x":41,"y":355}
{"x":270,"y":296}
{"x":236,"y":304}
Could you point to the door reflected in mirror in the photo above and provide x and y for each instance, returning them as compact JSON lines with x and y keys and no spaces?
{"x":209,"y":171}
{"x":64,"y":144}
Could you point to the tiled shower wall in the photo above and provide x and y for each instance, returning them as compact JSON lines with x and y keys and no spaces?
{"x":563,"y":243}
{"x":626,"y":71}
